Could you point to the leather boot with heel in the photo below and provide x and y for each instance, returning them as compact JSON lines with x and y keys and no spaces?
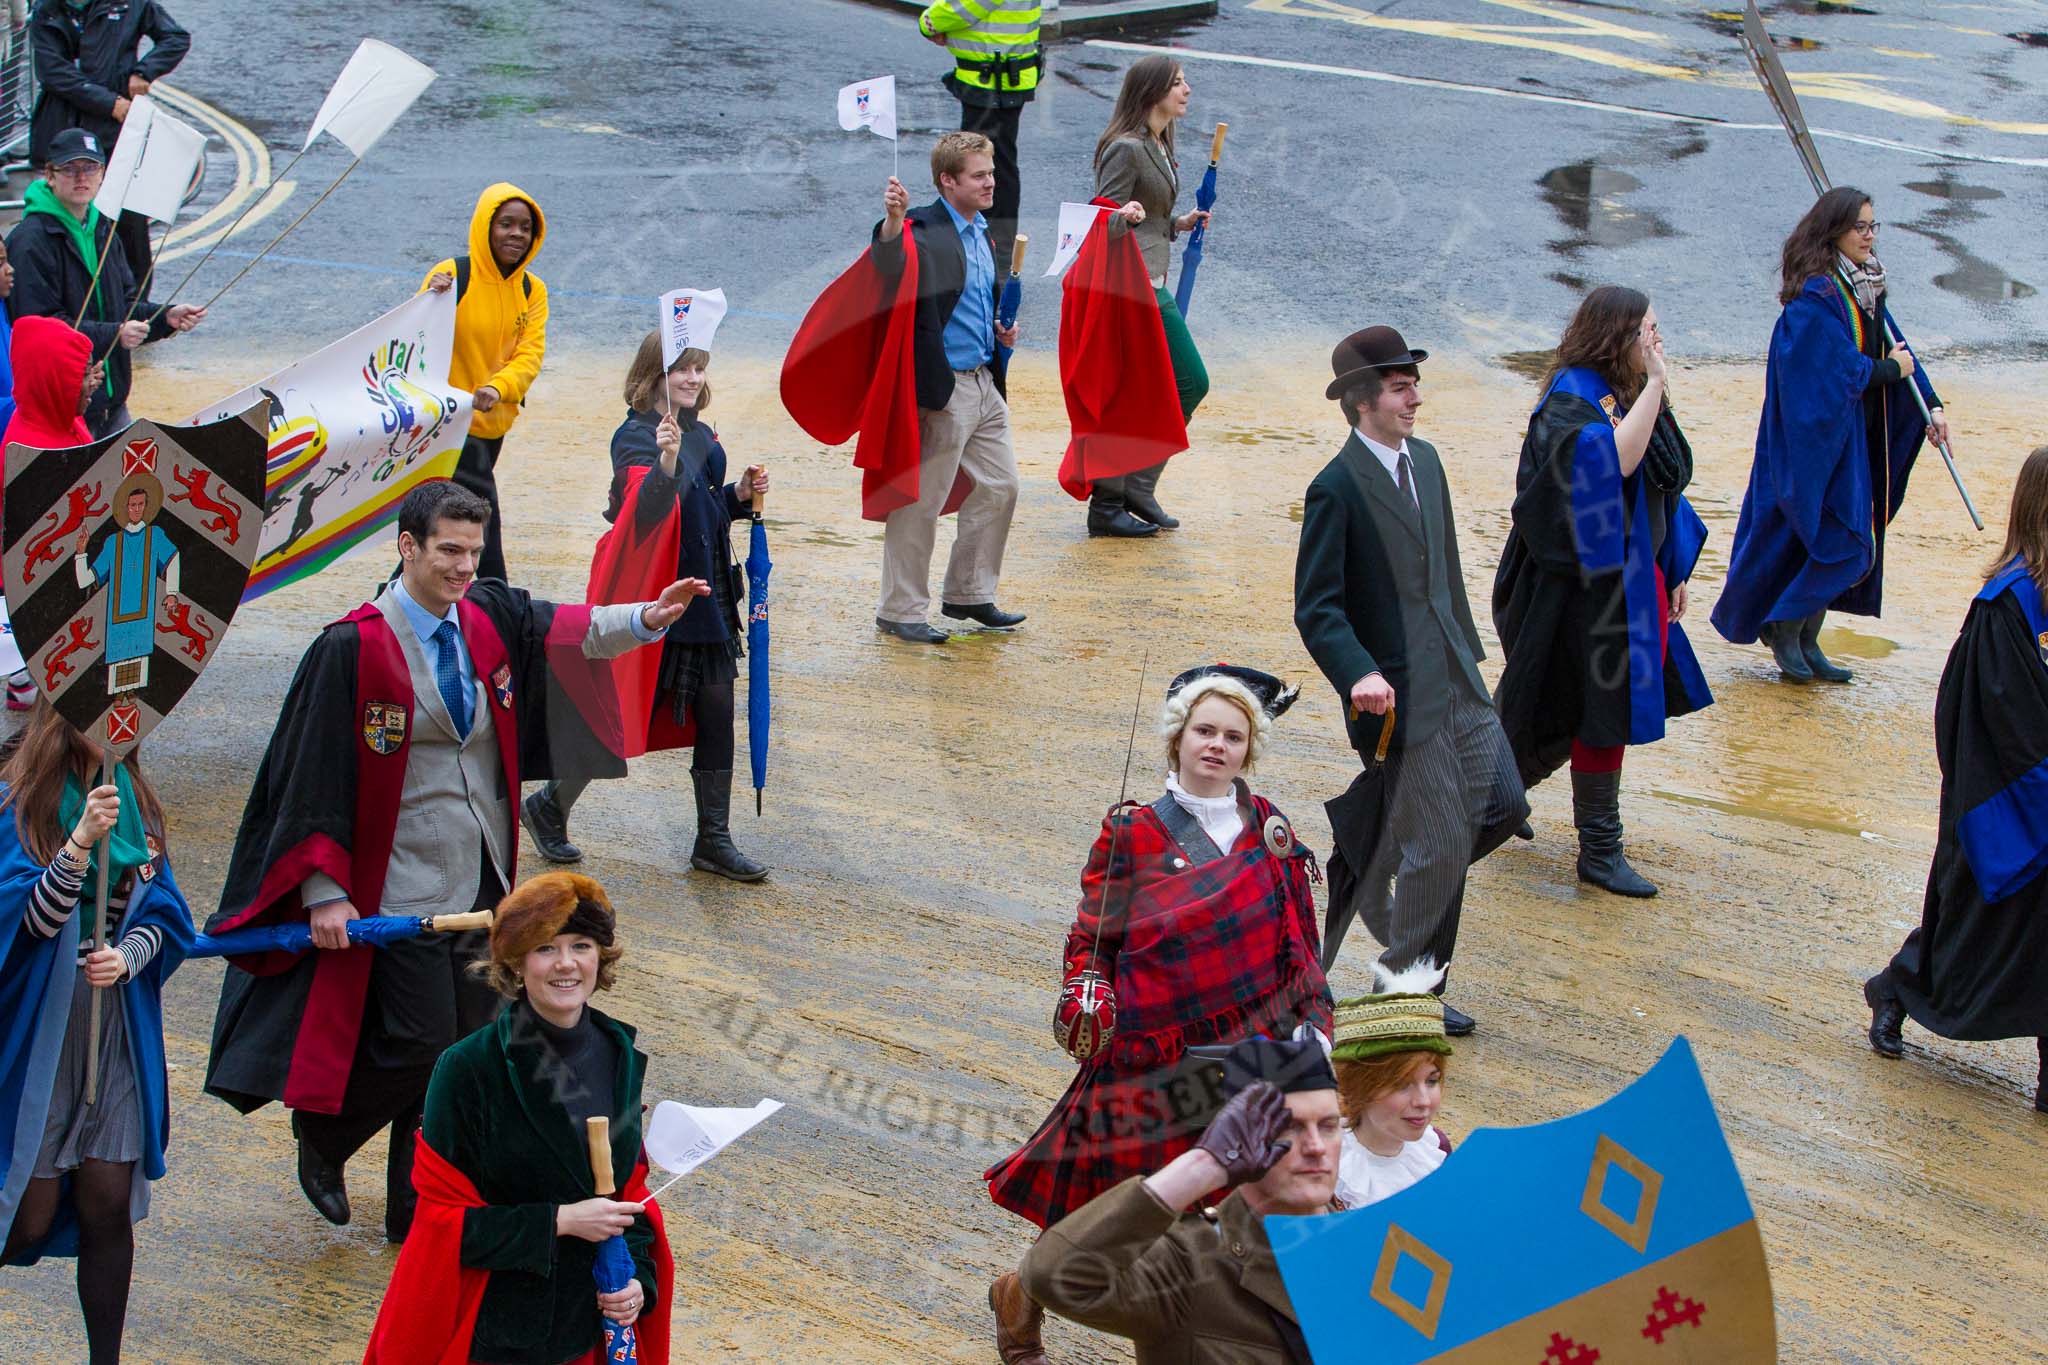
{"x":715,"y":850}
{"x":1596,"y":810}
{"x":1019,"y":1322}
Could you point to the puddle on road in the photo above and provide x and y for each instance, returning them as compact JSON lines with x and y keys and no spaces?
{"x":1729,"y":24}
{"x":1947,"y":188}
{"x":1588,"y":200}
{"x":1528,"y":364}
{"x":1978,"y":279}
{"x":1854,"y":644}
{"x":1259,"y":436}
{"x":2030,"y":39}
{"x":1795,"y":808}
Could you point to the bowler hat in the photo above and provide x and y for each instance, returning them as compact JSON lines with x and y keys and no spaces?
{"x":1374,"y":348}
{"x":75,"y":144}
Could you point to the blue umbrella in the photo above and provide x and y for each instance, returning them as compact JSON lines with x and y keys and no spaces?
{"x":378,"y":931}
{"x":613,"y":1268}
{"x":758,"y":569}
{"x":1205,"y":198}
{"x":1013,"y":291}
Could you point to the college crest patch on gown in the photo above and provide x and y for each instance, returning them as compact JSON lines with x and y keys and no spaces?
{"x":383,"y":726}
{"x":501,"y":683}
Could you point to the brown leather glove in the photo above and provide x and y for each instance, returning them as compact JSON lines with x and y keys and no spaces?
{"x":1245,"y":1136}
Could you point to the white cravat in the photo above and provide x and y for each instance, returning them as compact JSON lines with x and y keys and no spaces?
{"x":1219,"y":816}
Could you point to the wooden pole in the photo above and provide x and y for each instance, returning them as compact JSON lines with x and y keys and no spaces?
{"x":99,"y":936}
{"x":1017,"y":255}
{"x":1216,"y":143}
{"x":600,"y":1136}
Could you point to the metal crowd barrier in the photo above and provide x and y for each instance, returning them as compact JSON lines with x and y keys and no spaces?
{"x":17,"y":101}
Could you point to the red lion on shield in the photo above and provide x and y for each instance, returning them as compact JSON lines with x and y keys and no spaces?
{"x":52,"y":545}
{"x":224,"y":518}
{"x":55,"y":665}
{"x":194,"y":636}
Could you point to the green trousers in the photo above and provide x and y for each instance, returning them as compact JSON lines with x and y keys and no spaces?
{"x":1190,"y":382}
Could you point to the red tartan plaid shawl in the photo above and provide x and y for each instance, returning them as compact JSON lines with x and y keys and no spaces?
{"x":1223,"y":952}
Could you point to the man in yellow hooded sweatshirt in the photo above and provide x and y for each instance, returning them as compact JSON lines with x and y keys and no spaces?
{"x":501,"y":334}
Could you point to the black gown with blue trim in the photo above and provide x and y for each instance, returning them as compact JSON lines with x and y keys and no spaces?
{"x":1977,"y":967}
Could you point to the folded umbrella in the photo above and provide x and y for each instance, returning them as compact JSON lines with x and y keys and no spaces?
{"x":1357,"y":819}
{"x":1205,"y":199}
{"x":613,"y":1269}
{"x":378,"y":931}
{"x":758,"y":568}
{"x":1013,"y":292}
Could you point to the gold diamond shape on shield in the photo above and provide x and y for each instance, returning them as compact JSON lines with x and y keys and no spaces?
{"x":1422,"y":1317}
{"x":1607,"y":1153}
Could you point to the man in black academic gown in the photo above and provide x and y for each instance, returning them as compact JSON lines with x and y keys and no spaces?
{"x":1379,"y":599}
{"x":390,"y":787}
{"x":1977,"y":967}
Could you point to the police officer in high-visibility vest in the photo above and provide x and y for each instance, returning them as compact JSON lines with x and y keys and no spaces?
{"x":996,"y":66}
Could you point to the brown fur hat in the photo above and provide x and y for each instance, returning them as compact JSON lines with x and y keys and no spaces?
{"x":550,"y":904}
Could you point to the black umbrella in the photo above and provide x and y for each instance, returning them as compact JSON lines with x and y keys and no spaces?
{"x":1357,"y":818}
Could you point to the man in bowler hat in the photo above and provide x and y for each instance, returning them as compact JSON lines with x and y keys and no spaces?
{"x":1379,"y":599}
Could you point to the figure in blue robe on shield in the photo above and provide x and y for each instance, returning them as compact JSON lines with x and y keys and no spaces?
{"x":128,"y":564}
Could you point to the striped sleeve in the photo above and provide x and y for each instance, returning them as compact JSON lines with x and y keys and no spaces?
{"x":51,"y":900}
{"x":138,"y":947}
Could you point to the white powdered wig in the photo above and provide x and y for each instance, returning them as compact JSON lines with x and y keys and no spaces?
{"x":1419,"y":978}
{"x":1174,"y":718}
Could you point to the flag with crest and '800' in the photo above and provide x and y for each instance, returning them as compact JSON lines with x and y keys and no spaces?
{"x":125,"y":560}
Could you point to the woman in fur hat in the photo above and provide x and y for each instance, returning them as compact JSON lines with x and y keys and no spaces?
{"x":1196,"y":926}
{"x":501,"y":1251}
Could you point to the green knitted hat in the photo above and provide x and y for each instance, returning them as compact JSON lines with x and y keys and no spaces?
{"x":1369,"y":1026}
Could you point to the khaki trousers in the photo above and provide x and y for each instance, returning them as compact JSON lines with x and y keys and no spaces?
{"x":971,"y":433}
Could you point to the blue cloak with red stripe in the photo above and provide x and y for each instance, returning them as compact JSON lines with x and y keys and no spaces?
{"x":1811,"y":534}
{"x":1977,"y":967}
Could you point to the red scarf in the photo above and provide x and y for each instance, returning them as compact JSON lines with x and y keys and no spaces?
{"x":1114,"y":366}
{"x":851,"y":368}
{"x":429,"y":1312}
{"x":627,"y":568}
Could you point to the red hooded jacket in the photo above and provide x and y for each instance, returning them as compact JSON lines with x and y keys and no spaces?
{"x":50,"y":361}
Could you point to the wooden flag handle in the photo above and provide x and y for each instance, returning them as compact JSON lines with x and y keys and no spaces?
{"x":600,"y":1134}
{"x":1017,"y":254}
{"x":1216,"y":143}
{"x":455,"y":924}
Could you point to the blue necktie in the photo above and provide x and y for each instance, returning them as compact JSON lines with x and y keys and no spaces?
{"x":448,"y":676}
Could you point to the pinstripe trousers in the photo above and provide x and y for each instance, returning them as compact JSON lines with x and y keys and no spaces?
{"x":1451,"y":800}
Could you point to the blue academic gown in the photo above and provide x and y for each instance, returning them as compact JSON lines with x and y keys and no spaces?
{"x":37,"y":976}
{"x":6,"y":370}
{"x":1811,"y":535}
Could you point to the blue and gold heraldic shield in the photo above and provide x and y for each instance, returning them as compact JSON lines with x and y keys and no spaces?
{"x":1617,"y":1236}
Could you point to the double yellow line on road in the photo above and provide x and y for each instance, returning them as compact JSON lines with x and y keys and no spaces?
{"x":252,"y":179}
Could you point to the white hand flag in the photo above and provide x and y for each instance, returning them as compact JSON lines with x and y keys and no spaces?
{"x":1075,"y":222}
{"x":870,"y":105}
{"x":153,"y":163}
{"x":376,"y":87}
{"x":689,"y":319}
{"x":681,"y":1137}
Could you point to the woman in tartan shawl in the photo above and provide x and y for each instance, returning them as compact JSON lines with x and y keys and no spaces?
{"x":1196,"y":925}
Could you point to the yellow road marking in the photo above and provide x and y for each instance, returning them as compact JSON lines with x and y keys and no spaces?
{"x":1846,"y":87}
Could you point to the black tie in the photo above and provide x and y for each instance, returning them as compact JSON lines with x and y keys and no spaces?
{"x":1406,"y":479}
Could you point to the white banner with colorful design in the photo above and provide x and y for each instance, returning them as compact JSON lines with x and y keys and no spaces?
{"x":353,"y":429}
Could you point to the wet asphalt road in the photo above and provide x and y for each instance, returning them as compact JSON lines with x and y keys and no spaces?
{"x":702,"y":149}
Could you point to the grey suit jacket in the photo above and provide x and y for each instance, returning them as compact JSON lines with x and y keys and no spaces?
{"x":1135,"y":168}
{"x":1378,"y":588}
{"x":455,"y":808}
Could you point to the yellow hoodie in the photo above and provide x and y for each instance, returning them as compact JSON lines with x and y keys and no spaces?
{"x":501,"y":332}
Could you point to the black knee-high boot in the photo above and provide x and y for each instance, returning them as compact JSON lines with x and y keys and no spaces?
{"x":715,"y":850}
{"x":1824,"y":668}
{"x":1596,"y":810}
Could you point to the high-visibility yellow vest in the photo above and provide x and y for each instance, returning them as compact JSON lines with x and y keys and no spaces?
{"x":994,"y":42}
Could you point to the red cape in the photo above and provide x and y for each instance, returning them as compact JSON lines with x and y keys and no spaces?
{"x":429,"y":1311}
{"x":851,"y":369}
{"x":1114,"y":366}
{"x":627,"y":567}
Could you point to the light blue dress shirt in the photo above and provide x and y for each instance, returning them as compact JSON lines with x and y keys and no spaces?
{"x":970,"y":334}
{"x":424,"y":624}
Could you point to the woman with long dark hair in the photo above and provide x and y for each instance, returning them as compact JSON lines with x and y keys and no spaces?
{"x":75,"y":1172}
{"x":1977,"y":967}
{"x":1592,"y":580}
{"x":672,"y":513}
{"x":1837,"y":440}
{"x":1135,"y":167}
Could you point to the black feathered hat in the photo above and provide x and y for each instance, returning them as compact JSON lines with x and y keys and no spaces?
{"x":1273,"y":696}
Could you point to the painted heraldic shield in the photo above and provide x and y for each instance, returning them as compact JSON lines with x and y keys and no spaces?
{"x":125,"y":560}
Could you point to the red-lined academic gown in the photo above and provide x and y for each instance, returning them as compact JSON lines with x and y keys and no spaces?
{"x":1115,"y":370}
{"x":327,"y":799}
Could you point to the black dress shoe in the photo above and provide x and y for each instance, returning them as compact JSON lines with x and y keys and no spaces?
{"x":1457,"y":1023}
{"x":986,"y":613}
{"x":1525,"y":831}
{"x":323,"y":1185}
{"x":917,"y":632}
{"x":1121,"y":524}
{"x":1887,"y":1015}
{"x":550,"y":829}
{"x":1148,"y":509}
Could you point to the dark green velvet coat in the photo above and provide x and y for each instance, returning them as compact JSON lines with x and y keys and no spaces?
{"x":490,"y":1112}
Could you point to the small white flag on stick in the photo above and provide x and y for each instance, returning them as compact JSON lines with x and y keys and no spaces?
{"x":1075,"y":222}
{"x":373,"y":91}
{"x":870,"y":105}
{"x":689,"y":320}
{"x":682,"y":1137}
{"x":153,"y":163}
